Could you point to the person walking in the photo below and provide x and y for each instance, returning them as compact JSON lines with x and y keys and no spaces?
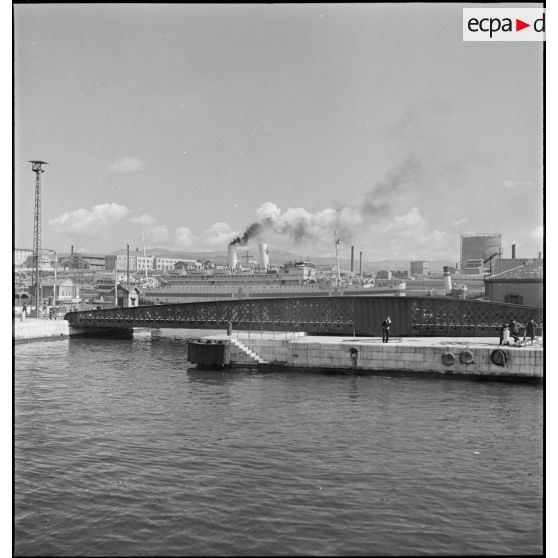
{"x":386,"y":324}
{"x":24,"y":312}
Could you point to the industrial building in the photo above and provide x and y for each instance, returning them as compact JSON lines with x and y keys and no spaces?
{"x":419,"y":268}
{"x":522,"y":284}
{"x":477,"y":251}
{"x":21,"y":255}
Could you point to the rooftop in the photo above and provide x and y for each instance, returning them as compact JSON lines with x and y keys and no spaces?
{"x":528,"y":271}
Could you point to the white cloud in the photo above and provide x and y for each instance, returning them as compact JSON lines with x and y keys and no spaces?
{"x":183,"y":238}
{"x":126,"y":164}
{"x":94,"y":220}
{"x":218,"y":235}
{"x":268,"y":209}
{"x":410,"y":221}
{"x":144,"y":219}
{"x":156,"y":235}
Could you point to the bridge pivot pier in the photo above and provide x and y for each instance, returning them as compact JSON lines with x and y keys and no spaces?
{"x":101,"y":332}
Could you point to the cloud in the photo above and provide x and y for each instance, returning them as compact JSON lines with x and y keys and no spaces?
{"x":183,"y":237}
{"x":156,"y":235}
{"x":126,"y":164}
{"x":94,"y":220}
{"x":302,"y":226}
{"x":410,"y":221}
{"x":144,"y":219}
{"x":218,"y":235}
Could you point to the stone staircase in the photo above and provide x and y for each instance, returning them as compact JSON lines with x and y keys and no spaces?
{"x":254,"y":357}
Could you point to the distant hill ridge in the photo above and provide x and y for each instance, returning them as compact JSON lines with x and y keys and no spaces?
{"x":278,"y":257}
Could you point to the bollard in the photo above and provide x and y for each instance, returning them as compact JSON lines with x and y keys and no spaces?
{"x":229,"y":329}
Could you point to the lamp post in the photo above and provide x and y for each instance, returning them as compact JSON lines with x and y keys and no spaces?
{"x":36,"y":167}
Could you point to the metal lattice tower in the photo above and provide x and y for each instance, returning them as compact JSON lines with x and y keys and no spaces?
{"x":36,"y":167}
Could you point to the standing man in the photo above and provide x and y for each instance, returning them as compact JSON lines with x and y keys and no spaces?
{"x":530,"y":330}
{"x":386,"y":324}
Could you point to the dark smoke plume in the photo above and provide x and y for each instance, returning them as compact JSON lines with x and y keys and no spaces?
{"x":255,"y":229}
{"x":303,"y":226}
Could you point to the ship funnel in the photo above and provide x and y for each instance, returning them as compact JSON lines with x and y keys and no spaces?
{"x":447,"y":280}
{"x":232,"y":256}
{"x":264,"y":256}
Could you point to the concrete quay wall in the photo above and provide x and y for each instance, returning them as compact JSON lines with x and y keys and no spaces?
{"x":471,"y":357}
{"x":39,"y":328}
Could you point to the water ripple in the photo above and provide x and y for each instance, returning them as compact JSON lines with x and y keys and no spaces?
{"x":122,"y":449}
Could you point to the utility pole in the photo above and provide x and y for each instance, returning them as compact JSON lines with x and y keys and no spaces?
{"x":248,"y":256}
{"x":36,"y":167}
{"x":361,"y":264}
{"x":337,"y":241}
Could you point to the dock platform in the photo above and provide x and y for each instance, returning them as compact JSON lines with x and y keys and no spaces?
{"x":480,"y":357}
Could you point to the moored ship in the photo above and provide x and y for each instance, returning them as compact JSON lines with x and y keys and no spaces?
{"x":297,"y":278}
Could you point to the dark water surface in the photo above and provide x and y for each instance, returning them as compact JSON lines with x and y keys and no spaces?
{"x":121,"y":448}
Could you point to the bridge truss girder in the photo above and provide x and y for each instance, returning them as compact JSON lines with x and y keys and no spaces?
{"x":361,"y":315}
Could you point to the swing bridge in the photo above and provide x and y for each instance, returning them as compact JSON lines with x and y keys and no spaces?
{"x":327,"y":315}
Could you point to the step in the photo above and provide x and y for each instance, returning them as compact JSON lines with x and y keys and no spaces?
{"x":247,"y":351}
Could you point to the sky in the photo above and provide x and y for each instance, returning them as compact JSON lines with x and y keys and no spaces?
{"x":192,"y":122}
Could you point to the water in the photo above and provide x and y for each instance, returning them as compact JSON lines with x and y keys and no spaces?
{"x":121,"y":448}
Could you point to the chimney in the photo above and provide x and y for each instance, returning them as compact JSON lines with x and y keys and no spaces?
{"x":447,"y":280}
{"x":540,"y":255}
{"x":232,"y":256}
{"x":264,"y":255}
{"x":513,"y":251}
{"x":352,"y":258}
{"x":361,"y":264}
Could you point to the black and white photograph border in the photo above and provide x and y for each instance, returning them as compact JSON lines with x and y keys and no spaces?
{"x":295,"y":186}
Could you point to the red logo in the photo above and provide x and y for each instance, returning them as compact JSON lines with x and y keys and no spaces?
{"x":519,"y":25}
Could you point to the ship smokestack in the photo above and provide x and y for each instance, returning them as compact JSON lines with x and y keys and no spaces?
{"x":352,"y":258}
{"x":447,"y":280}
{"x":232,"y":256}
{"x":513,"y":251}
{"x":264,"y":255}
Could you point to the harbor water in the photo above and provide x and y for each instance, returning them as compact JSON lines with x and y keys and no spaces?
{"x":123,"y":448}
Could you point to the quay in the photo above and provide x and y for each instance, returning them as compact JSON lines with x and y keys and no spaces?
{"x":463,"y":357}
{"x":32,"y":329}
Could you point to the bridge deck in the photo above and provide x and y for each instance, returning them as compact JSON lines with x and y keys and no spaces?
{"x":361,"y":315}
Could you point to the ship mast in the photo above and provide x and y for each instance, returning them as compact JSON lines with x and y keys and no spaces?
{"x":337,"y":240}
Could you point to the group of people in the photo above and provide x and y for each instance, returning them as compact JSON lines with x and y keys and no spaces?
{"x":513,"y":331}
{"x":507,"y":331}
{"x":51,"y":312}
